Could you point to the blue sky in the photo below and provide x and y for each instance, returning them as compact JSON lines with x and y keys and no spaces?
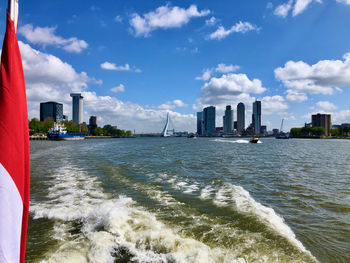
{"x":136,"y":60}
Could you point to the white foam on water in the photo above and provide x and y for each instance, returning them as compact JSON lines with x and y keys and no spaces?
{"x":240,"y":199}
{"x":231,"y":141}
{"x":186,"y":187}
{"x":110,"y":223}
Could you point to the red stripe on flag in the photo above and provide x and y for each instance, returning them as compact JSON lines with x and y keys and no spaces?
{"x":14,"y":135}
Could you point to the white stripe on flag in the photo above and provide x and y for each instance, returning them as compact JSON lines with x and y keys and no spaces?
{"x":11,"y":209}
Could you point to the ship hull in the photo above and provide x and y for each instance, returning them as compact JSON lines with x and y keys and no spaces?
{"x":66,"y":137}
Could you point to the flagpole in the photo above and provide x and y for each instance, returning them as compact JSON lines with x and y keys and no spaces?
{"x":12,"y":8}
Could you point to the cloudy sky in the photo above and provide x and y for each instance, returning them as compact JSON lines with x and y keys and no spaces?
{"x":136,"y":60}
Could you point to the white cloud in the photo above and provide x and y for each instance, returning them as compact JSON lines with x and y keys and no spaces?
{"x":172,"y":105}
{"x":222,"y":68}
{"x":342,"y":116}
{"x":112,"y":66}
{"x":48,"y":78}
{"x":295,"y":96}
{"x":240,"y":27}
{"x":321,"y":78}
{"x":164,"y":17}
{"x":283,"y":10}
{"x":299,"y":7}
{"x":206,"y":75}
{"x":344,"y":1}
{"x":120,"y":88}
{"x":273,"y":104}
{"x":229,"y":88}
{"x":326,"y":105}
{"x":211,"y":21}
{"x":46,"y":36}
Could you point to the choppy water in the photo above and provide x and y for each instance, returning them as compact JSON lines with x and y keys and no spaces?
{"x":189,"y":200}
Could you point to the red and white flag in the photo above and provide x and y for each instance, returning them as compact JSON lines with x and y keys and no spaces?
{"x":14,"y":147}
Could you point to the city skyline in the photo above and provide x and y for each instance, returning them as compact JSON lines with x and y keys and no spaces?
{"x":200,"y":53}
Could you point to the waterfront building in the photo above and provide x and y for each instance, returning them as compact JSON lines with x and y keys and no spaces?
{"x":240,"y":118}
{"x":92,"y":123}
{"x":263,"y":129}
{"x":199,"y":122}
{"x":209,"y":115}
{"x":322,"y":120}
{"x":228,"y":120}
{"x":275,"y":132}
{"x":235,"y":125}
{"x":256,"y":117}
{"x":77,"y":107}
{"x":52,"y":110}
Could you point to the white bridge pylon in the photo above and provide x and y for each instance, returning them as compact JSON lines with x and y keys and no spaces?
{"x":166,"y":132}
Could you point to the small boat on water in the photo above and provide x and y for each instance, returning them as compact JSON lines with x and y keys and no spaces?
{"x":254,"y":140}
{"x":59,"y":132}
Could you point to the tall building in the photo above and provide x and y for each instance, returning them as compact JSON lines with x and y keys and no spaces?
{"x":92,"y":123}
{"x":322,"y":120}
{"x":228,"y":120}
{"x":209,"y":115}
{"x":77,"y":107}
{"x":240,"y":118}
{"x":199,"y":122}
{"x":51,"y":109}
{"x":256,"y":117}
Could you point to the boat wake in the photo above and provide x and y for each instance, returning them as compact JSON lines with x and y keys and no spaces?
{"x":90,"y":225}
{"x":231,"y":141}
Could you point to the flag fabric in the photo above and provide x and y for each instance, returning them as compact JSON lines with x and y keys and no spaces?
{"x":14,"y":149}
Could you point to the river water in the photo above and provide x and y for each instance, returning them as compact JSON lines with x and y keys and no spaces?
{"x":189,"y":200}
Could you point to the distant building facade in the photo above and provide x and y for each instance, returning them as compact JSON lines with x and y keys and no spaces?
{"x":256,"y":117}
{"x":209,"y":116}
{"x":92,"y":123}
{"x":322,"y":120}
{"x":199,"y":122}
{"x":240,"y":118}
{"x":77,"y":107}
{"x":263,"y":129}
{"x":228,"y":120}
{"x":52,"y":110}
{"x":275,"y":132}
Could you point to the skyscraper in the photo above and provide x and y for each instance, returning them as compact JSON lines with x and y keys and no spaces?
{"x":51,"y":109}
{"x":77,"y":107}
{"x":209,"y":115}
{"x":256,"y":118}
{"x":240,"y":118}
{"x":322,"y":120}
{"x":228,"y":120}
{"x":199,"y":122}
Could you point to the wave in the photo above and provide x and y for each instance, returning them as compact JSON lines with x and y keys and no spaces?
{"x":111,"y":228}
{"x":240,"y":200}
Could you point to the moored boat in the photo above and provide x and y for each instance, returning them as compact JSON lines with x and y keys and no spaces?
{"x":59,"y":132}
